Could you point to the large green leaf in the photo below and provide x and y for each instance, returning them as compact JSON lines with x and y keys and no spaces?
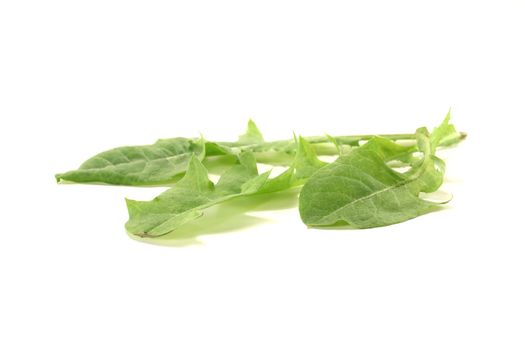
{"x":360,"y":190}
{"x":159,"y":163}
{"x":187,"y":199}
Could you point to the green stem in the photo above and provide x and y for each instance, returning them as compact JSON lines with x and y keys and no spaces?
{"x":266,"y":151}
{"x":350,"y":140}
{"x":289,"y":145}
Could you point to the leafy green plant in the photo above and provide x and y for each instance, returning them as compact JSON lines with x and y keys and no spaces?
{"x":362,"y":188}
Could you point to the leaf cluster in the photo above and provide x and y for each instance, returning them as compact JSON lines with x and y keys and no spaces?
{"x":364,"y":187}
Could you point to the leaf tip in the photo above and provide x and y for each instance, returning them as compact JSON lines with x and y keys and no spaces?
{"x":133,"y":206}
{"x":252,"y":133}
{"x":252,"y":127}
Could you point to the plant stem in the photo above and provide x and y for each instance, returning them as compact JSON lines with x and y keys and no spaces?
{"x":289,"y":145}
{"x":266,"y":152}
{"x":349,"y":140}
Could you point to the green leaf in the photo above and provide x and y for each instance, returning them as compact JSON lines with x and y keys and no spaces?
{"x":217,"y":149}
{"x":445,"y":135}
{"x":306,"y":162}
{"x":361,"y":191}
{"x":160,"y":163}
{"x":187,"y":199}
{"x":251,"y":135}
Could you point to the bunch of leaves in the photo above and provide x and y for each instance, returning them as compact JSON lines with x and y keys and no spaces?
{"x":362,"y":188}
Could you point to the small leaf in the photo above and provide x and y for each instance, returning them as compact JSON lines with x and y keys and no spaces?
{"x":306,"y":162}
{"x":251,"y":135}
{"x":445,"y":134}
{"x":334,"y":141}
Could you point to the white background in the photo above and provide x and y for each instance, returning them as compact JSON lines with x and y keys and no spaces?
{"x":78,"y":77}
